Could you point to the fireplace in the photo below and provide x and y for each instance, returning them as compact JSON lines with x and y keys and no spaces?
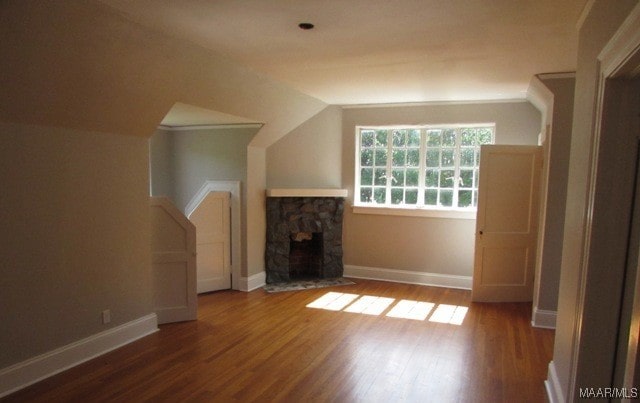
{"x":304,"y":236}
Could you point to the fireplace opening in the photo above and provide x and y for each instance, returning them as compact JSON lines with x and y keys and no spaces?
{"x":306,"y":256}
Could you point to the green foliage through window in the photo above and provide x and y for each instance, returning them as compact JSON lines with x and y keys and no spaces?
{"x":423,"y":166}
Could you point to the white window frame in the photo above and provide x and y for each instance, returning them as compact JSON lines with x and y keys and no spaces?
{"x":418,"y":209}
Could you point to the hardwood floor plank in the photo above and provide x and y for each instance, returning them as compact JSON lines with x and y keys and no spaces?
{"x":272,"y":347}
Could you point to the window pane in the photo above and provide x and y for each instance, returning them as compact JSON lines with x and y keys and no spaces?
{"x":484,"y":135}
{"x":431,"y":179}
{"x":433,"y":158}
{"x":381,"y":158}
{"x":466,"y":157}
{"x":391,"y":159}
{"x":396,"y":196}
{"x":413,"y":158}
{"x":466,"y":178}
{"x":380,"y":177}
{"x":475,"y":198}
{"x":414,"y":138}
{"x":399,"y":138}
{"x":431,"y":197}
{"x":366,"y":138}
{"x":413,"y":176}
{"x":365,"y":195}
{"x":446,"y":178}
{"x":366,"y":176}
{"x":399,"y":158}
{"x":464,"y":198}
{"x":411,"y":196}
{"x":397,"y":177}
{"x":468,"y":137}
{"x":446,"y":198}
{"x":449,"y":138}
{"x":433,"y":138}
{"x":446,"y":159}
{"x":366,"y":158}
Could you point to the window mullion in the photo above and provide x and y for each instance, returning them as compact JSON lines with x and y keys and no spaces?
{"x":387,"y":200}
{"x":422,"y":166}
{"x":456,"y":163}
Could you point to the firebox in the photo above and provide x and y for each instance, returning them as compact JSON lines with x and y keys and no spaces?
{"x":305,"y":256}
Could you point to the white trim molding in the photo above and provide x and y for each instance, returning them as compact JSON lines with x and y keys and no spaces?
{"x":307,"y":193}
{"x":544,"y":319}
{"x":232,"y":187}
{"x":35,"y":369}
{"x":183,"y":128}
{"x":253,"y":282}
{"x":415,"y":212}
{"x":552,"y":386}
{"x":410,"y":277}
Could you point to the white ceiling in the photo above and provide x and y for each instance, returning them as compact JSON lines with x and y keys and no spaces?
{"x":380,"y":51}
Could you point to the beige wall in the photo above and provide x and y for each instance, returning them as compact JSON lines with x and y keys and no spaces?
{"x":562,"y":118}
{"x":309,"y":156}
{"x":75,"y":238}
{"x":601,"y":23}
{"x":161,"y":164}
{"x":431,"y":245}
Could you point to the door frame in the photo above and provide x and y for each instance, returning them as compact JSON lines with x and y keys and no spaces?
{"x":232,"y":187}
{"x":595,"y":303}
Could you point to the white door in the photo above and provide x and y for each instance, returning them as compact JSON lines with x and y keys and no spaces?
{"x":507,"y":223}
{"x":173,"y":260}
{"x":213,"y":246}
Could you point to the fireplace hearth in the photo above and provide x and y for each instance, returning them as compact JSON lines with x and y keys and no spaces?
{"x":304,"y":238}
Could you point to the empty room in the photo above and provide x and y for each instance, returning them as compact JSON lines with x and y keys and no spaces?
{"x":352,"y":201}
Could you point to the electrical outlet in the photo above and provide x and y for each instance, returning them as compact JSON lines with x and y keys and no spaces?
{"x":106,"y":316}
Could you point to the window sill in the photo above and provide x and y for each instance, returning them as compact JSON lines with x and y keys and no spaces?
{"x":415,"y":212}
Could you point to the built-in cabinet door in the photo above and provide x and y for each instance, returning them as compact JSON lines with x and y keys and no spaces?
{"x":213,"y":233}
{"x":173,"y":260}
{"x":507,"y":223}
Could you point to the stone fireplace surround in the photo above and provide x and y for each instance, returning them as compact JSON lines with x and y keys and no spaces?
{"x":297,"y":215}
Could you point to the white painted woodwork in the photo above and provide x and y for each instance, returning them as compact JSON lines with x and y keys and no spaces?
{"x":307,"y":192}
{"x":507,"y":223}
{"x":173,"y":251}
{"x":213,"y":242}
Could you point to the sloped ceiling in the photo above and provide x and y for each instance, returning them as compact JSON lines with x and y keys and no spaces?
{"x":380,"y":51}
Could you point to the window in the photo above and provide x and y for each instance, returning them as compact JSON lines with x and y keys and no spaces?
{"x":420,"y":166}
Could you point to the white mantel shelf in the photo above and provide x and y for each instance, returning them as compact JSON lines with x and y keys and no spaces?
{"x":307,"y":192}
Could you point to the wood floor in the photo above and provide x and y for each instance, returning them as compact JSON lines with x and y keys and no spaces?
{"x":271,"y":347}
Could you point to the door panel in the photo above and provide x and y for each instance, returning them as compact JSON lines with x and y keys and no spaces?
{"x":212,"y":221}
{"x":506,"y":225}
{"x":173,"y":250}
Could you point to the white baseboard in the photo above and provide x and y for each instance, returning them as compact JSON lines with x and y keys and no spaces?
{"x":552,"y":386}
{"x":544,"y":319}
{"x":253,"y":282}
{"x":406,"y":276}
{"x":35,"y":369}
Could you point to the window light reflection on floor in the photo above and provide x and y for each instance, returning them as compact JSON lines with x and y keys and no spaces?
{"x":369,"y":305}
{"x":404,"y":309}
{"x":333,"y":301}
{"x":407,"y":309}
{"x":452,"y":314}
